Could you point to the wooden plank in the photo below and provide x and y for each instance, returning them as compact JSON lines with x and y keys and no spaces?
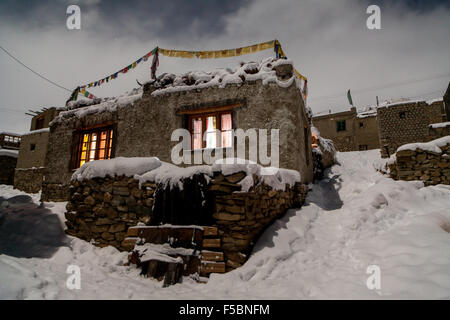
{"x":212,"y":256}
{"x":210,"y":231}
{"x":211,"y":243}
{"x":210,"y":109}
{"x":129,"y":241}
{"x":212,"y":267}
{"x":182,"y":236}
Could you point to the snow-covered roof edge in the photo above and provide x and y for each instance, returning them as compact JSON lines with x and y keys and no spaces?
{"x":36,"y":132}
{"x":153,"y":170}
{"x":9,"y":153}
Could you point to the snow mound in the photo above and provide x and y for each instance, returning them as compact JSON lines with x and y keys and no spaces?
{"x":9,"y":153}
{"x":440,"y":125}
{"x":118,"y":166}
{"x":320,"y":251}
{"x":170,"y":175}
{"x":83,"y":108}
{"x":431,"y":146}
{"x":250,"y":71}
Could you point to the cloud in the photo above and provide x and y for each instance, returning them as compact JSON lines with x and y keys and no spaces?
{"x":328,"y":41}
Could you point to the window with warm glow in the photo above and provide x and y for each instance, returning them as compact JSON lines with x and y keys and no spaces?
{"x":206,"y":125}
{"x":93,"y":145}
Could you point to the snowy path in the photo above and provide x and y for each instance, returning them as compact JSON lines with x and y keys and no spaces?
{"x":354,"y":218}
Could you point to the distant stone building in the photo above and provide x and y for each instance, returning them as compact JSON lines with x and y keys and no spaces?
{"x":9,"y":146}
{"x":262,"y":96}
{"x":31,"y":162}
{"x":350,"y":130}
{"x":408,"y":121}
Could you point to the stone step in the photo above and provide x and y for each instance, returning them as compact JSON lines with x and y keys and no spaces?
{"x":208,"y":267}
{"x":210,"y":232}
{"x":211,"y":243}
{"x":212,"y":256}
{"x":129,"y":243}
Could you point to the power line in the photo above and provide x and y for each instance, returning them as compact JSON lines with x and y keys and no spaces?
{"x":386,"y":86}
{"x":36,"y":73}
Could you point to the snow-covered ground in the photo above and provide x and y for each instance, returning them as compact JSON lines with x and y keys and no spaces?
{"x":352,"y":219}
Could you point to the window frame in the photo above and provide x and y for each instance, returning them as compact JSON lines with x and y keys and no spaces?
{"x":338,"y":127}
{"x":203,"y":115}
{"x":78,"y":144}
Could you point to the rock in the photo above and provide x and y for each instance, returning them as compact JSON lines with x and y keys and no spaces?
{"x":107,"y":197}
{"x":89,"y":200}
{"x":107,"y":236}
{"x":121,"y":191}
{"x":234,"y":178}
{"x":227,"y":216}
{"x":102,"y":221}
{"x":137,"y":193}
{"x":117,"y":227}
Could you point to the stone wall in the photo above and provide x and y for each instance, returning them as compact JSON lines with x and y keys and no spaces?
{"x":441,"y":130}
{"x":7,"y":166}
{"x":430,"y":167}
{"x":28,"y":179}
{"x":144,"y":129}
{"x":241,"y":217}
{"x":404,"y":123}
{"x":102,"y":209}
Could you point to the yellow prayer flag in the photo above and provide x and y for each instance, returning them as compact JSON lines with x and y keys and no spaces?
{"x":267,"y":45}
{"x":246,"y":50}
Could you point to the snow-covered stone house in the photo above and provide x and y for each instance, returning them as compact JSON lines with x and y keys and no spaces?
{"x":257,"y":95}
{"x":136,"y":199}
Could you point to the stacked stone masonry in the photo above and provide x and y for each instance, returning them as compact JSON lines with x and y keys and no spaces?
{"x":406,"y":123}
{"x":101,"y":210}
{"x":431,"y":168}
{"x":28,"y":179}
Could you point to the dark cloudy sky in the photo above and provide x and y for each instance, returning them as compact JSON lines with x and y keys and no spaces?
{"x":327,"y":39}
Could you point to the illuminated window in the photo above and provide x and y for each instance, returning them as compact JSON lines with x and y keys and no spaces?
{"x":93,"y":145}
{"x":206,"y":125}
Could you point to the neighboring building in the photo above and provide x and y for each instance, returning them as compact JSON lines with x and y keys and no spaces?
{"x":9,"y":146}
{"x":31,"y":162}
{"x":262,"y":96}
{"x":446,"y":99}
{"x":408,"y":121}
{"x":350,"y":130}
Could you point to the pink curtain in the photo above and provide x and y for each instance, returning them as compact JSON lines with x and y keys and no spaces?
{"x":226,"y":130}
{"x":197,"y":134}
